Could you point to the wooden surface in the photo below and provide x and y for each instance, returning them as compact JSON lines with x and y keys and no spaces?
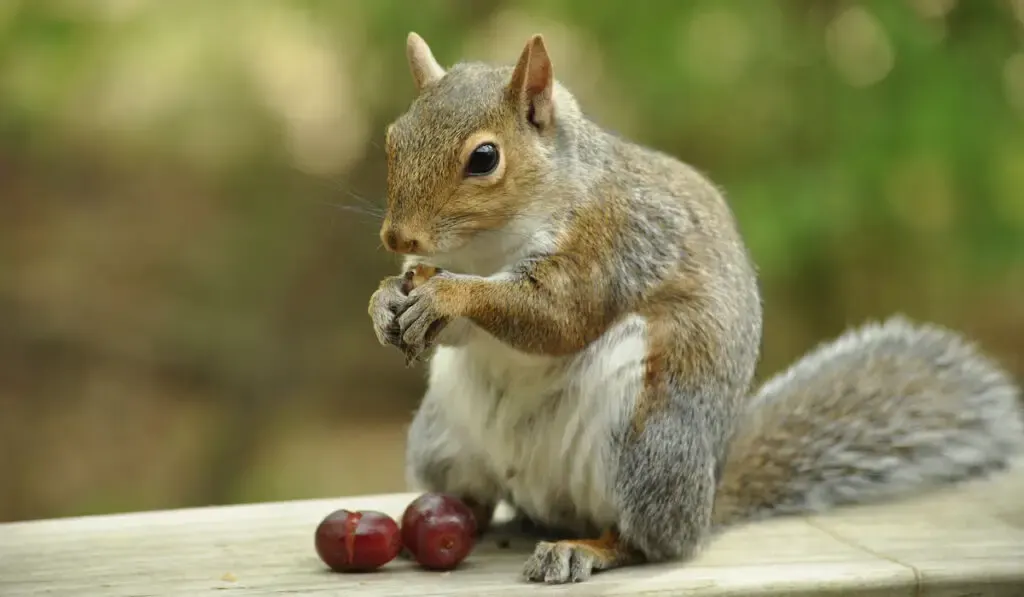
{"x":967,"y":541}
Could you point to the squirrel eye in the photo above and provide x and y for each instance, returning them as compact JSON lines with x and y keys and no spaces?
{"x":483,"y":160}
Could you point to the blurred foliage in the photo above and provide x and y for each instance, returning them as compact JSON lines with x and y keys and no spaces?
{"x":189,"y":194}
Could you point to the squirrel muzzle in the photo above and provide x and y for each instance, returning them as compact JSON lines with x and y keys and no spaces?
{"x":401,"y":240}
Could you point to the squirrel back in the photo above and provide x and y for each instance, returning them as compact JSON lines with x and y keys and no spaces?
{"x":884,"y":411}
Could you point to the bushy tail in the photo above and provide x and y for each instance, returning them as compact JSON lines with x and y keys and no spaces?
{"x":883,"y":411}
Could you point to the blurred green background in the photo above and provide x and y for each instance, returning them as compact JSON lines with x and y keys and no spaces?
{"x":188,"y":188}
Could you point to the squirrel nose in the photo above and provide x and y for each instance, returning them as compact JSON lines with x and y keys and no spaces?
{"x":398,"y":242}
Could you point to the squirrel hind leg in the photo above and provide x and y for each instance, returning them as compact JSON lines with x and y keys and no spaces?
{"x":666,"y":486}
{"x":663,"y":485}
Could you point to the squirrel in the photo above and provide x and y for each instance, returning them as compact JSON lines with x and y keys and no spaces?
{"x":594,"y":321}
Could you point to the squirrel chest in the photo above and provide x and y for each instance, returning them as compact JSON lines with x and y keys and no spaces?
{"x":546,"y":426}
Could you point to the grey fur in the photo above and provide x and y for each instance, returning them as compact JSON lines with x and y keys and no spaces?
{"x":666,"y":484}
{"x":884,"y":411}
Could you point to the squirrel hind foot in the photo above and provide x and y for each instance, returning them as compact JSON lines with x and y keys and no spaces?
{"x":573,"y":561}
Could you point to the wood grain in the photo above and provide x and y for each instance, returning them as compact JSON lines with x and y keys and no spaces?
{"x":968,"y":540}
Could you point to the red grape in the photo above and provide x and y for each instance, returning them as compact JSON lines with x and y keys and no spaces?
{"x":357,"y":541}
{"x":438,"y":530}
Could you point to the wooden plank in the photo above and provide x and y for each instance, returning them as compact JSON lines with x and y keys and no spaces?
{"x":964,"y":541}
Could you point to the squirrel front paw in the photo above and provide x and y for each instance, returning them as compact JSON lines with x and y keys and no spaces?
{"x":420,"y":318}
{"x":393,"y":298}
{"x":383,"y":310}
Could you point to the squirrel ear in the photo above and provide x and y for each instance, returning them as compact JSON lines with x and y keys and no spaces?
{"x":424,"y":67}
{"x":533,"y":83}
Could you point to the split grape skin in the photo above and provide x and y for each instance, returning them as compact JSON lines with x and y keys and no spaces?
{"x":357,"y":541}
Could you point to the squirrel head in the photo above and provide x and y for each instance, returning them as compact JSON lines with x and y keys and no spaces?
{"x":473,"y":151}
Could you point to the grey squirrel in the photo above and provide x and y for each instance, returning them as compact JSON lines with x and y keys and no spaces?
{"x":596,"y":322}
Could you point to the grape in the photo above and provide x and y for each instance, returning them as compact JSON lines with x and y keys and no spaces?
{"x":439,"y":531}
{"x":357,"y":541}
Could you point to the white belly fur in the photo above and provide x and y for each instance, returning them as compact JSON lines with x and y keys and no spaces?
{"x":545,"y":425}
